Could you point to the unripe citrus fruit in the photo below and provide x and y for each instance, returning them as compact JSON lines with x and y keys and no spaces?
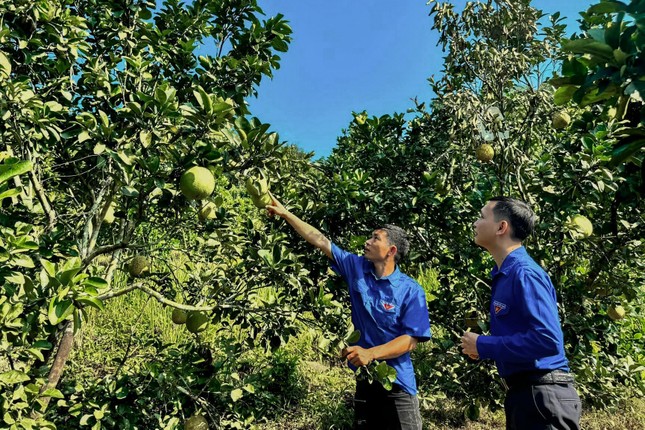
{"x":138,"y":266}
{"x":485,"y":153}
{"x":580,"y":227}
{"x":197,"y":183}
{"x":179,"y":316}
{"x":616,"y":312}
{"x":196,"y":322}
{"x":560,"y":120}
{"x":208,"y":211}
{"x":262,"y":201}
{"x":196,"y":422}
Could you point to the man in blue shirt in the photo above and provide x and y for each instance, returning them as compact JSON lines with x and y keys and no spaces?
{"x":390,"y":310}
{"x":526,"y":340}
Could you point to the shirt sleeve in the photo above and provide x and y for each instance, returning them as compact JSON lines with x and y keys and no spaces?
{"x":344,"y":263}
{"x":415,"y":320}
{"x":541,"y":338}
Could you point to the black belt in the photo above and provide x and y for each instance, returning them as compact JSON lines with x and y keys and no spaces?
{"x":537,"y":378}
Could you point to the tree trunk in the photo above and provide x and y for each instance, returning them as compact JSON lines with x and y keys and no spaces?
{"x":64,"y":348}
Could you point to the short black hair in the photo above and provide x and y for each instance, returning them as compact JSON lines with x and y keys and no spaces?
{"x":518,"y":214}
{"x":399,"y":238}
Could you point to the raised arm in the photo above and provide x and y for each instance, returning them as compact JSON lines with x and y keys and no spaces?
{"x":309,"y":233}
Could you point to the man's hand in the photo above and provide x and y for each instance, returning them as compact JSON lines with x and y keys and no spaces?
{"x":358,"y":356}
{"x":469,"y":345}
{"x":276,"y":208}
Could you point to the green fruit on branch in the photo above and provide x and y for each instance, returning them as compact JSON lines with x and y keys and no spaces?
{"x":485,"y":153}
{"x":560,"y":120}
{"x":580,"y":227}
{"x":196,"y":422}
{"x":196,"y":322}
{"x":263,"y":185}
{"x":257,"y":186}
{"x":197,"y":183}
{"x":249,"y":184}
{"x":616,"y":312}
{"x":138,"y":266}
{"x":179,"y":316}
{"x":207,"y":211}
{"x":262,"y":201}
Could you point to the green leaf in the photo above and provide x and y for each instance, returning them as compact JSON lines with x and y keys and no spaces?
{"x":5,"y":66}
{"x":129,"y":191}
{"x":95,"y":281}
{"x":83,"y":136}
{"x":237,"y":394}
{"x":15,"y":278}
{"x":8,"y":171}
{"x":266,"y":256}
{"x":23,"y":261}
{"x":52,"y":392}
{"x":608,"y":6}
{"x":65,"y":277}
{"x":249,"y":388}
{"x":13,"y":192}
{"x":91,"y":301}
{"x":625,"y":149}
{"x":145,"y":137}
{"x":84,"y":419}
{"x":99,"y":148}
{"x":600,"y":52}
{"x":59,"y":310}
{"x":13,"y":377}
{"x":104,"y":119}
{"x":204,"y":100}
{"x":353,"y":337}
{"x":49,"y":267}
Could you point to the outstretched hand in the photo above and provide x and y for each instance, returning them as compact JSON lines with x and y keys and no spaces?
{"x":275,"y":207}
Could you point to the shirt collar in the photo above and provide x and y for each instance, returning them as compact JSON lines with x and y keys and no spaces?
{"x":392,"y":277}
{"x":511,"y":259}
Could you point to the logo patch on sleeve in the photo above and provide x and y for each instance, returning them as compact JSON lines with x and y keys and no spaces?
{"x":498,"y":306}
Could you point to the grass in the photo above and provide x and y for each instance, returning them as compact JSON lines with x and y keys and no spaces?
{"x":122,"y":329}
{"x":444,"y":415}
{"x":327,"y":405}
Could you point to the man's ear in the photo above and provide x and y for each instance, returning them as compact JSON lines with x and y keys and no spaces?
{"x":392,"y":251}
{"x":503,"y":228}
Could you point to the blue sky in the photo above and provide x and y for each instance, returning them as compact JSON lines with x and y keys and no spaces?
{"x":354,"y":55}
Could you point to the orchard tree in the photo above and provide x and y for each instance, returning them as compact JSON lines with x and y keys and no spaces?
{"x":119,"y":120}
{"x":497,"y":126}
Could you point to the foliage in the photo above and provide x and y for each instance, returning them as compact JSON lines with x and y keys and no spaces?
{"x":494,"y":89}
{"x":603,"y":68}
{"x":105,"y":104}
{"x":108,"y":103}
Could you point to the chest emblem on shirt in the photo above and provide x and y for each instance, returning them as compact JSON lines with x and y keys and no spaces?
{"x":498,"y":306}
{"x":388,"y":306}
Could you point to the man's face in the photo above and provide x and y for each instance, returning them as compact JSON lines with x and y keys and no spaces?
{"x":378,"y":246}
{"x":486,"y":227}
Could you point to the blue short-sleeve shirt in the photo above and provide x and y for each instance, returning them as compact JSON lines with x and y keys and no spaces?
{"x":384,"y":309}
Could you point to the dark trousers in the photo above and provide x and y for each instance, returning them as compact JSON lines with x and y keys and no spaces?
{"x":543,"y":407}
{"x":379,"y":409}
